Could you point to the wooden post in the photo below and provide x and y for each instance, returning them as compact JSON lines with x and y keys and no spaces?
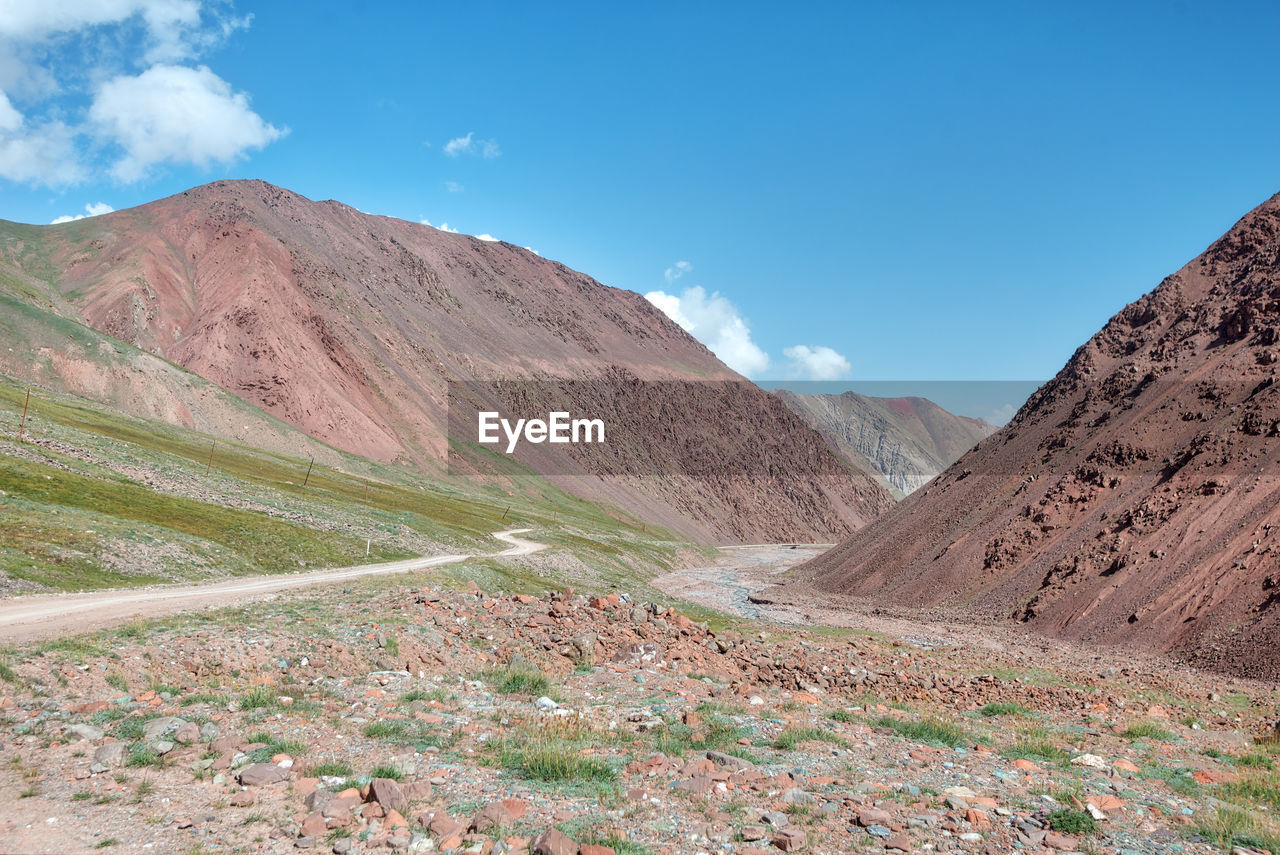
{"x":504,"y":513}
{"x":23,"y":426}
{"x":308,"y":478}
{"x":209,"y":465}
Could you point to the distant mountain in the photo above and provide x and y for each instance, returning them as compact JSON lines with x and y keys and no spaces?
{"x":902,"y":442}
{"x":1135,"y":498}
{"x":350,"y":327}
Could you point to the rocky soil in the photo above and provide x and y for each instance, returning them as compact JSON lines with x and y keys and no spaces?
{"x":406,"y":716}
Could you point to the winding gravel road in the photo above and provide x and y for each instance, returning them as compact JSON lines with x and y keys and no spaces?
{"x":54,"y":615}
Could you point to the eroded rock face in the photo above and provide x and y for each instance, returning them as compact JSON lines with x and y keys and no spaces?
{"x":904,"y":442}
{"x":1134,"y":498}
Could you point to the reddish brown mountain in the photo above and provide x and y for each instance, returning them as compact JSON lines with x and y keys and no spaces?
{"x":1135,"y":499}
{"x":349,"y":326}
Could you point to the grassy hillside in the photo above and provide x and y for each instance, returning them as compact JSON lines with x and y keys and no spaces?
{"x":93,"y":498}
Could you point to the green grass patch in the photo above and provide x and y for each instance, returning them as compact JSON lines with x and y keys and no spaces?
{"x":386,"y":771}
{"x":1148,"y":730}
{"x":273,"y":746}
{"x":395,"y":730}
{"x":1258,"y":788}
{"x":1229,"y":827}
{"x":331,"y":769}
{"x":260,"y":698}
{"x":1001,"y":709}
{"x":1177,"y":779}
{"x":1027,"y":748}
{"x":793,"y":736}
{"x":930,"y":731}
{"x":1075,"y":822}
{"x":519,"y":681}
{"x":555,"y":761}
{"x":717,"y":733}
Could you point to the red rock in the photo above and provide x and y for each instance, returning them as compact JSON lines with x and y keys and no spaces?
{"x":387,"y":793}
{"x":262,"y":774}
{"x":900,"y":842}
{"x":868,"y":816}
{"x":593,"y":849}
{"x":553,"y":842}
{"x":241,"y":798}
{"x":1060,"y":841}
{"x":492,"y":816}
{"x":790,"y":838}
{"x":314,"y":826}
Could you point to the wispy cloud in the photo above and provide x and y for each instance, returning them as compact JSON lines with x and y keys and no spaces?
{"x":94,"y":209}
{"x":486,"y":237}
{"x":444,"y":227}
{"x":714,"y":321}
{"x":458,"y":146}
{"x":816,"y":363}
{"x":453,"y":187}
{"x":677,"y":270}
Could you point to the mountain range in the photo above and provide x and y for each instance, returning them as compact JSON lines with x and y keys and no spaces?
{"x":349,"y":327}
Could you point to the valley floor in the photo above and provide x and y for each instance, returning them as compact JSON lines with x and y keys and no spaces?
{"x":411,"y":713}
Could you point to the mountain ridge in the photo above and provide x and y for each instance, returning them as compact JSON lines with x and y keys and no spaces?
{"x":1134,"y":499}
{"x":349,"y":326}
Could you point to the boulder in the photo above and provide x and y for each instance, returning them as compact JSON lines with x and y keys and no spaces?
{"x":262,"y":774}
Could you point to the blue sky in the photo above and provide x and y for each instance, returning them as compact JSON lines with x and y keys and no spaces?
{"x":825,"y":190}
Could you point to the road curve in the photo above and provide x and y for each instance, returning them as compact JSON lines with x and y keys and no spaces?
{"x":54,"y":615}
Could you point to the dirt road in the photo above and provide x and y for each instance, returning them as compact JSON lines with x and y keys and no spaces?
{"x":51,"y":616}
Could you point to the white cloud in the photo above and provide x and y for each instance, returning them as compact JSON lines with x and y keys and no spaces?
{"x":534,"y":251}
{"x":10,"y":119}
{"x":175,"y":114}
{"x":453,"y":187}
{"x":486,"y":237}
{"x":816,"y":363}
{"x":59,"y":120}
{"x":677,"y":270}
{"x":42,"y":153}
{"x":715,"y":322}
{"x":444,"y":227}
{"x":458,"y":146}
{"x":1001,"y":415}
{"x":93,"y":209}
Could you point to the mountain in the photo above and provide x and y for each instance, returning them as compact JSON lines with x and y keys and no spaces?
{"x":351,"y":327}
{"x":902,"y":442}
{"x":1135,"y":498}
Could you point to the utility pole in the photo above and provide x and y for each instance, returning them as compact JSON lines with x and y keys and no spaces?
{"x":23,"y":426}
{"x":308,"y":478}
{"x":209,"y":465}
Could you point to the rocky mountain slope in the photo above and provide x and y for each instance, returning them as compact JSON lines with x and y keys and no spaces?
{"x":1135,"y":499}
{"x":902,"y":442}
{"x":350,"y":327}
